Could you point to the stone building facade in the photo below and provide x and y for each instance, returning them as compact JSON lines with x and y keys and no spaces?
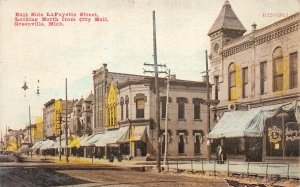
{"x":129,"y":102}
{"x":258,"y":69}
{"x":101,"y":78}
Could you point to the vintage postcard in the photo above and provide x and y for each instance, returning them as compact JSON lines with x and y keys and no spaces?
{"x":149,"y":93}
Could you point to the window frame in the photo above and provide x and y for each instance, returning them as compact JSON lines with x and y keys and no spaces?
{"x":231,"y":74}
{"x":277,"y":77}
{"x":293,"y":70}
{"x":245,"y":79}
{"x":263,"y":76}
{"x":181,"y":108}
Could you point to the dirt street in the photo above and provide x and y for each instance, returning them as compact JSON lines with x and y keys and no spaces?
{"x":133,"y":178}
{"x":15,"y":177}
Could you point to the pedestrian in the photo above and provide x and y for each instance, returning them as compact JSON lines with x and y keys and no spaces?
{"x":220,"y":155}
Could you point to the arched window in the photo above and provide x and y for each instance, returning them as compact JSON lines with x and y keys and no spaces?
{"x":277,"y":57}
{"x":231,"y":82}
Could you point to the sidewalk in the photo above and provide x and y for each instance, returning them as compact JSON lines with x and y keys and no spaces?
{"x":283,"y":170}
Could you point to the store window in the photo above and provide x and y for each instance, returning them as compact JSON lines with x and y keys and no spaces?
{"x":181,"y":143}
{"x":197,"y":143}
{"x":283,"y":135}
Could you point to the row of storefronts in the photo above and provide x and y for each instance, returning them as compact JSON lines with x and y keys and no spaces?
{"x":128,"y":141}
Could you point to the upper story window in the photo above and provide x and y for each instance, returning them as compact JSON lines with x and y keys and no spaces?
{"x":293,"y":70}
{"x":232,"y":82}
{"x":245,"y":82}
{"x":126,"y":105}
{"x":181,"y":108}
{"x":163,"y":107}
{"x":263,"y":77}
{"x":122,"y":107}
{"x":140,"y":108}
{"x":196,"y":102}
{"x":217,"y":87}
{"x":277,"y":69}
{"x":140,"y":100}
{"x":163,"y":100}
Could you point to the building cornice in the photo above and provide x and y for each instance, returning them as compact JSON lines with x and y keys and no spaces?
{"x":261,"y":36}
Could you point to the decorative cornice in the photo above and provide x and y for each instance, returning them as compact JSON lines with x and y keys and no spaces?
{"x":261,"y":36}
{"x":262,"y":39}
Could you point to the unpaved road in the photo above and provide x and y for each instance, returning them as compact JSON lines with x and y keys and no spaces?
{"x":18,"y":176}
{"x":142,"y":179}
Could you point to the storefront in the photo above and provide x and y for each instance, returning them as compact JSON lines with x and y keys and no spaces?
{"x":110,"y":142}
{"x":282,"y":136}
{"x":259,"y":134}
{"x":138,"y":141}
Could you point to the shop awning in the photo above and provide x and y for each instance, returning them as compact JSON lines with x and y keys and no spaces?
{"x":95,"y":138}
{"x":75,"y":141}
{"x":247,"y":123}
{"x":48,"y":144}
{"x":37,"y":145}
{"x":57,"y":143}
{"x":113,"y":136}
{"x":237,"y":124}
{"x":138,"y":134}
{"x":83,"y":141}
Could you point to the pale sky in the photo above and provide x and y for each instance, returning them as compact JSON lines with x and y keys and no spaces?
{"x":51,"y":54}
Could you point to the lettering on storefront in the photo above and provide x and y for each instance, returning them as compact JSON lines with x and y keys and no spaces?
{"x":292,"y":135}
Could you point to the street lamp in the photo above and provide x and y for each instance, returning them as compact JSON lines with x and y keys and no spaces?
{"x":25,"y":87}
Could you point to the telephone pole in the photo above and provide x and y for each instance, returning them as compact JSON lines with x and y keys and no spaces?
{"x":59,"y":122}
{"x":30,"y":138}
{"x":156,"y":72}
{"x":208,"y":102}
{"x":169,"y":78}
{"x":66,"y":122}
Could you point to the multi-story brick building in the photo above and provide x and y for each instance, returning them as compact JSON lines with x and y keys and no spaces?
{"x":256,"y":70}
{"x":130,"y":105}
{"x":52,"y":110}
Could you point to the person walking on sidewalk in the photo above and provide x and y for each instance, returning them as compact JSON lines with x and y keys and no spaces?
{"x":220,"y":155}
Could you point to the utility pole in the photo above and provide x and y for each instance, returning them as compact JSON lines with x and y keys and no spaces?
{"x":30,"y":139}
{"x":169,"y":78}
{"x":66,"y":122}
{"x":156,"y":72}
{"x":208,"y":103}
{"x":59,"y":122}
{"x":208,"y":106}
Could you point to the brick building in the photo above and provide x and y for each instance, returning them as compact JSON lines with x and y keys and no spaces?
{"x":252,"y":71}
